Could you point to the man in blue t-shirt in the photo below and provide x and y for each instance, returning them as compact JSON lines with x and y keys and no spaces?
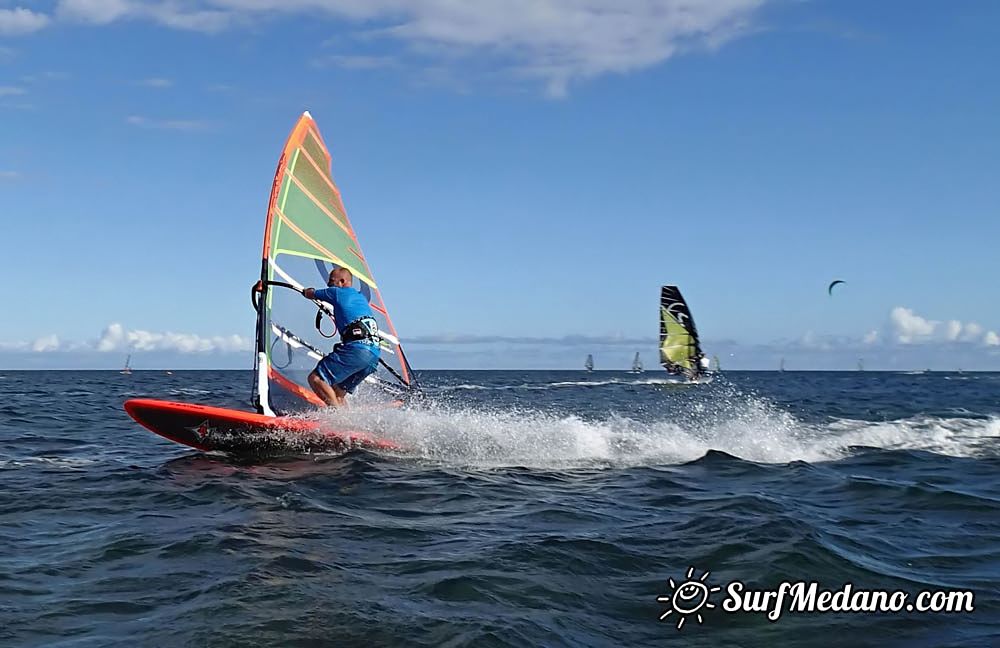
{"x":356,"y":356}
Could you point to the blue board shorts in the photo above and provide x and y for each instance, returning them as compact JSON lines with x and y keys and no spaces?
{"x":348,"y":364}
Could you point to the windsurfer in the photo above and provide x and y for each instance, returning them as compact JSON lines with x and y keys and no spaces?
{"x":699,"y":367}
{"x":356,"y":356}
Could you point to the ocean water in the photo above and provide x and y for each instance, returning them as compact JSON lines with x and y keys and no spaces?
{"x":528,"y":509}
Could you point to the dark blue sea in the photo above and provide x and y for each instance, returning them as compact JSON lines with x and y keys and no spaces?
{"x":528,"y":509}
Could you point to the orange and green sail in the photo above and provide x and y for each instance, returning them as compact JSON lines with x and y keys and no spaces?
{"x":307,"y":234}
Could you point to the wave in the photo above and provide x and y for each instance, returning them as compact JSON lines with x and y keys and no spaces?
{"x":69,"y":463}
{"x":565,"y":383}
{"x":188,"y":391}
{"x":750,"y":429}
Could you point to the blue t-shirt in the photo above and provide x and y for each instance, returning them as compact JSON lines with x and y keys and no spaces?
{"x":348,"y":304}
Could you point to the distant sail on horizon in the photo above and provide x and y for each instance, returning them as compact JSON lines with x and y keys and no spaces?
{"x":589,"y":364}
{"x":679,"y":347}
{"x":636,"y":364}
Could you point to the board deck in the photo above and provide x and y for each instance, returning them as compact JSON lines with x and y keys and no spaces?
{"x":236,"y":431}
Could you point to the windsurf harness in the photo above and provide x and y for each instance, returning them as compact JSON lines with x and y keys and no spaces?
{"x":364,"y":329}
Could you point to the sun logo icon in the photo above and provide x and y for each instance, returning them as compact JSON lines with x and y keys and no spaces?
{"x":688,"y":598}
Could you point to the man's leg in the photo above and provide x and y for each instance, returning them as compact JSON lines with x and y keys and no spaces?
{"x":341,"y":395}
{"x":330,"y":394}
{"x":349,"y":384}
{"x":331,"y":374}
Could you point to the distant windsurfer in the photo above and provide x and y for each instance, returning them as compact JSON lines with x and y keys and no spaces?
{"x":356,"y":356}
{"x":699,"y":367}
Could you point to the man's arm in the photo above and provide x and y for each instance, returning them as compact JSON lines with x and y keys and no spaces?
{"x":329,"y":295}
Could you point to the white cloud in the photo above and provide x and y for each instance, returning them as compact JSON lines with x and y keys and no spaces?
{"x":156,"y":82}
{"x":813,"y":342}
{"x":903,"y":328}
{"x":561,"y":41}
{"x":178,"y":15}
{"x":955,"y":331}
{"x":451,"y":339}
{"x":19,"y":105}
{"x":199,"y":20}
{"x":45,"y":343}
{"x":971,"y":331}
{"x":952,"y":329}
{"x":357,"y":62}
{"x":48,"y":75}
{"x":9,"y":175}
{"x":906,"y":327}
{"x":12,"y":91}
{"x":116,"y":338}
{"x":21,"y":21}
{"x":97,"y":12}
{"x":555,"y":41}
{"x":167,"y":124}
{"x":119,"y":339}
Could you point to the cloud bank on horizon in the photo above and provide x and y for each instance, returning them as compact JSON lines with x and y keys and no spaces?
{"x":556,"y":42}
{"x":904,"y":331}
{"x":909,"y":328}
{"x":116,"y":338}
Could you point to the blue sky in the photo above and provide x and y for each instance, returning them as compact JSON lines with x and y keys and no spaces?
{"x":516,"y":171}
